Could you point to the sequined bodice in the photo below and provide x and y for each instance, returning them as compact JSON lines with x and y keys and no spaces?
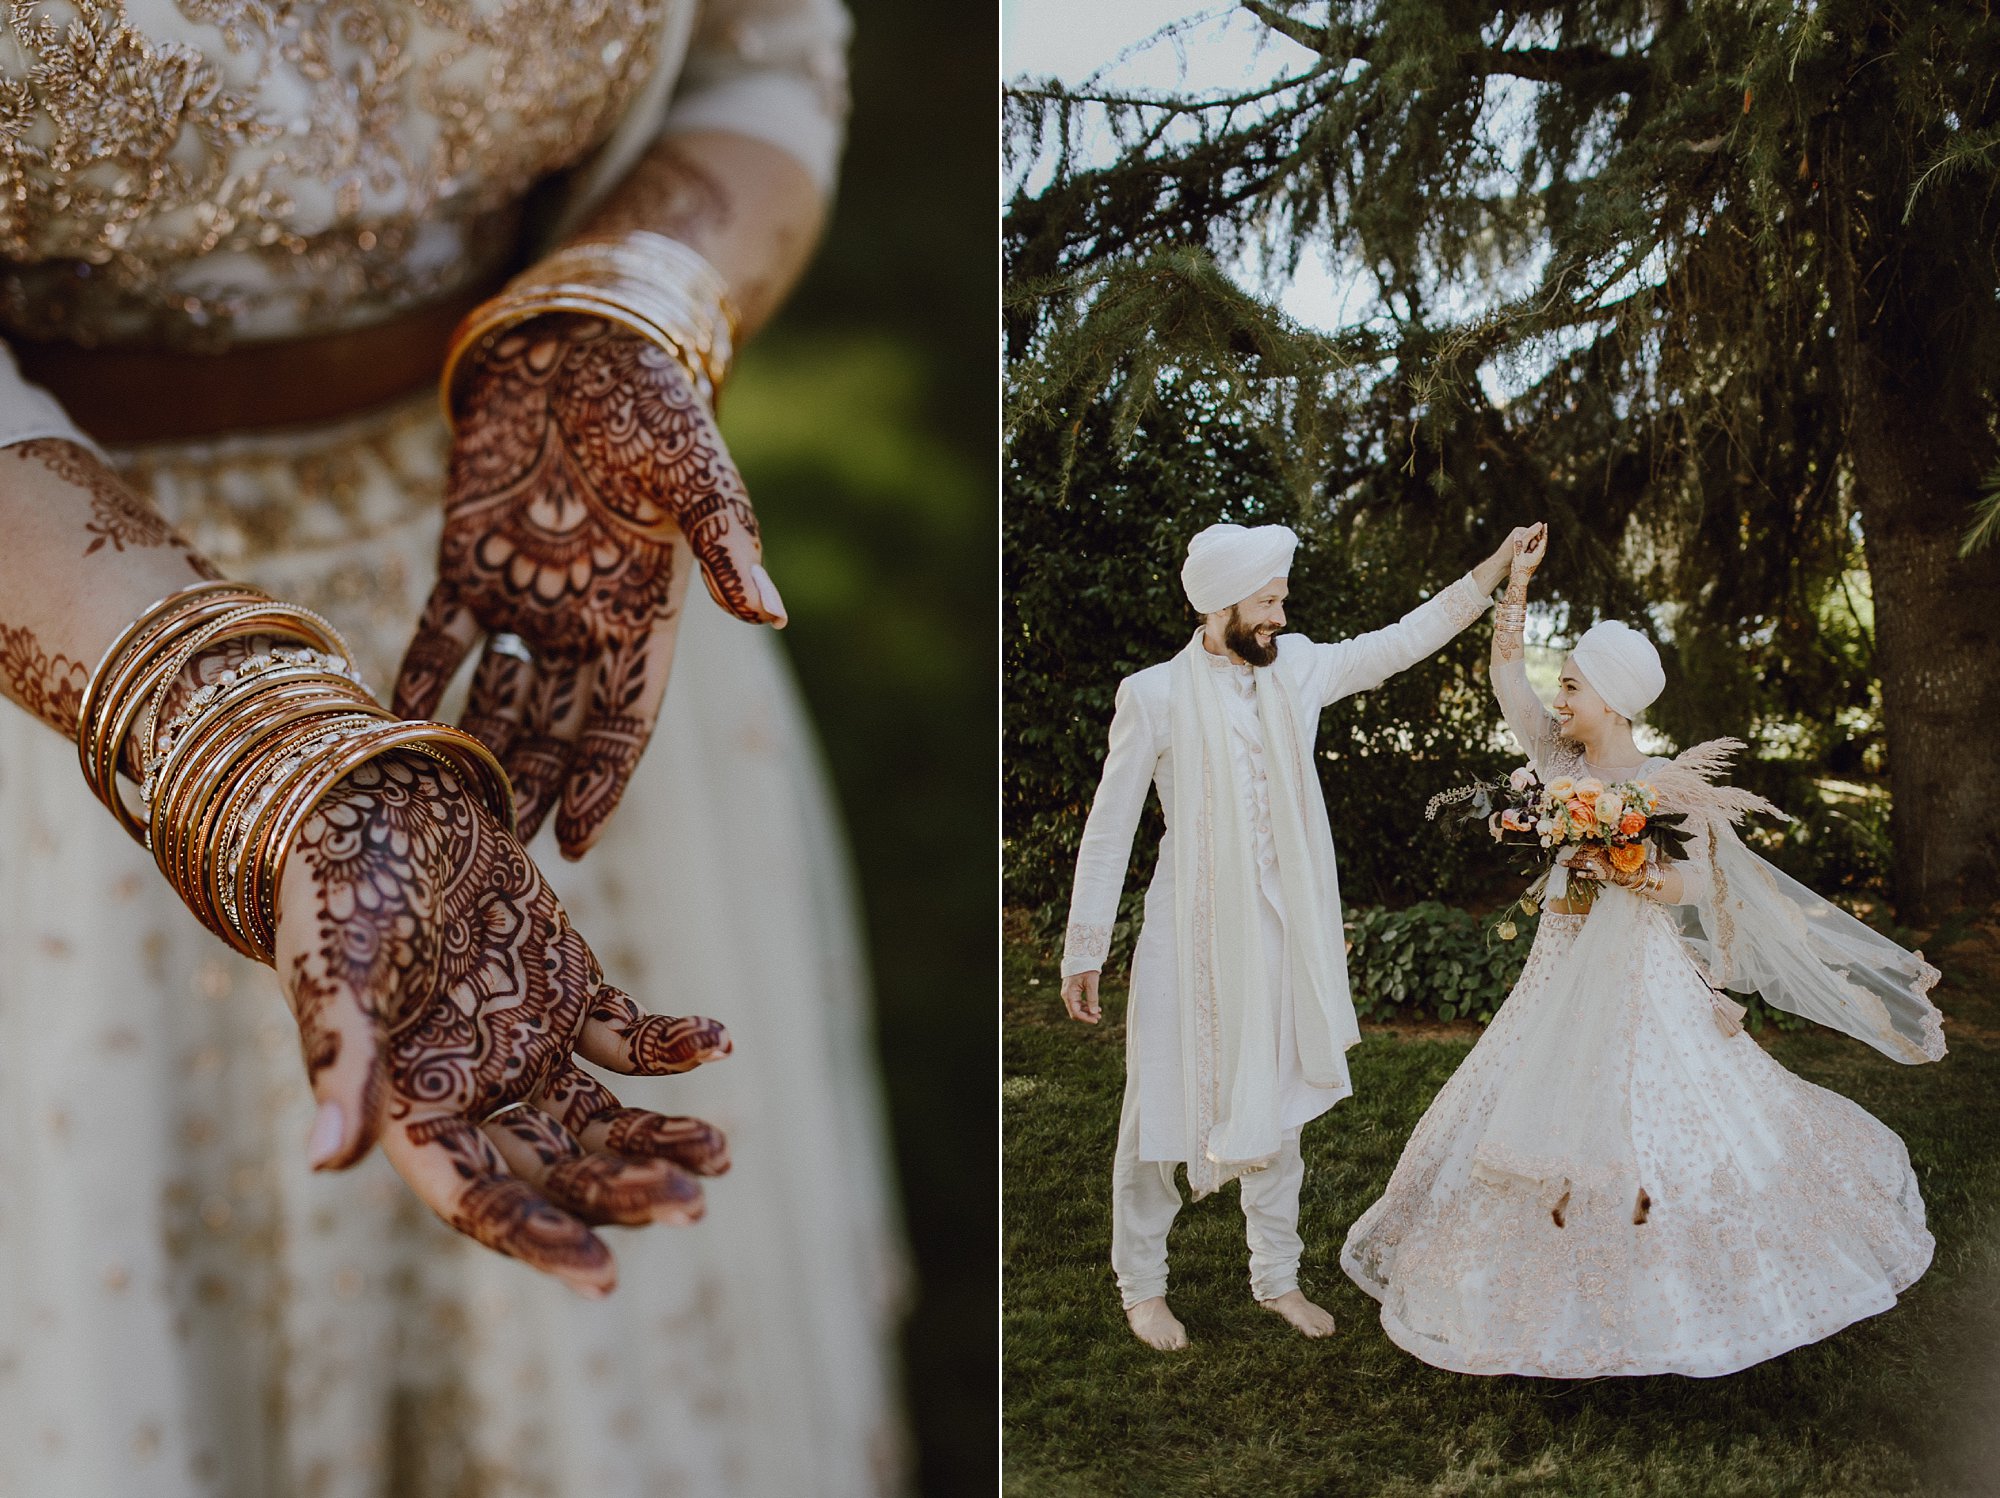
{"x":188,"y":171}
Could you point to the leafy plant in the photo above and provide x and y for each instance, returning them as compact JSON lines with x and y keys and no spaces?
{"x":1432,"y":961}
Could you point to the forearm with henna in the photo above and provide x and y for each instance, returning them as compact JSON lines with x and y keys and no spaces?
{"x":587,"y":473}
{"x":1507,"y":634}
{"x":432,"y":972}
{"x":84,"y":555}
{"x":749,"y":208}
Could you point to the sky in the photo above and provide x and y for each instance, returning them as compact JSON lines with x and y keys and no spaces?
{"x":1222,"y":49}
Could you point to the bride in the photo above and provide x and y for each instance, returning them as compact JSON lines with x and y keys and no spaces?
{"x":1618,"y":1180}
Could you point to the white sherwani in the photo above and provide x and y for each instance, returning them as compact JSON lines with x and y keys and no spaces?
{"x":1141,"y":755}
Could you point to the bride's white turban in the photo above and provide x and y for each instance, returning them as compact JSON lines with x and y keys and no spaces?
{"x":1227,"y":563}
{"x":1622,"y":664}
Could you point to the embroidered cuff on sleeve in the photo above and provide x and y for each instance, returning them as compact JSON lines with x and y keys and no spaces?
{"x":1085,"y":949}
{"x":1463,"y":602}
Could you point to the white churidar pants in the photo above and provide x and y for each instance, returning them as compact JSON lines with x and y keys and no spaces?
{"x":1145,"y":1197}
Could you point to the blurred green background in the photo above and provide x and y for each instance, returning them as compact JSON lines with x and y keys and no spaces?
{"x":864,"y":420}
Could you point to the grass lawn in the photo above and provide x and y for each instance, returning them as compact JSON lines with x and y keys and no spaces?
{"x":1908,"y":1402}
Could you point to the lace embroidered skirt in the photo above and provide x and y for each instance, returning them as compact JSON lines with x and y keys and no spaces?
{"x":1778,"y":1212}
{"x":186,"y":1309}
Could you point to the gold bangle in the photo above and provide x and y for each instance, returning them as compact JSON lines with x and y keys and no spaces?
{"x":226,"y":837}
{"x":303,"y":625}
{"x":111,"y":699}
{"x":218,"y":696}
{"x":287,"y":754}
{"x":473,"y":763}
{"x":230,"y":745}
{"x":656,"y":287}
{"x":154,"y":616}
{"x":260,"y":817}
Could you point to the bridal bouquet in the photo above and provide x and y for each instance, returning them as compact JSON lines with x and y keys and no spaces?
{"x":1546,"y":820}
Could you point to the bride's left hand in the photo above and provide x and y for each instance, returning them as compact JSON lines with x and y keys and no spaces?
{"x":1594,"y":863}
{"x":586,"y":472}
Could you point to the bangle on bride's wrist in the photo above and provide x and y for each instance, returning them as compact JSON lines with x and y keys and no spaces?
{"x":471,"y":761}
{"x":643,"y":282}
{"x":271,"y":668}
{"x":121,"y":682}
{"x":233,"y":771}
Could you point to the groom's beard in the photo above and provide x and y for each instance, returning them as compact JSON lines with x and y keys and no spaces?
{"x":1247,"y":643}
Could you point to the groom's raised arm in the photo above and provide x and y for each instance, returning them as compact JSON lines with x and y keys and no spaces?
{"x":1345,"y":667}
{"x":1106,"y":847}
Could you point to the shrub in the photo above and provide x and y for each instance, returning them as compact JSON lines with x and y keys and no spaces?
{"x":1432,"y":961}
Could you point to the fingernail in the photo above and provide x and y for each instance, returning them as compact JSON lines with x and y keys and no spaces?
{"x":327,"y":1131}
{"x":767,"y":595}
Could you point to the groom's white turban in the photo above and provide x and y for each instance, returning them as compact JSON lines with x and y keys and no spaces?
{"x":1622,"y":664}
{"x":1227,"y":563}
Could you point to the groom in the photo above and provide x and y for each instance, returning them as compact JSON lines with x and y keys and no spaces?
{"x":1240,"y":1019}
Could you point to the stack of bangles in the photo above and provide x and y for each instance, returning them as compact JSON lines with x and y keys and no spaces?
{"x":642,"y":282}
{"x":230,"y":777}
{"x":1510,"y":616}
{"x":1651,"y":880}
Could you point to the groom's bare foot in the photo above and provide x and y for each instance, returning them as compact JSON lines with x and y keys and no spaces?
{"x":1310,"y":1319}
{"x":1156,"y":1326}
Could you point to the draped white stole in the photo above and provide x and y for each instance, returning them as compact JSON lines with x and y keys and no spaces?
{"x":1229,"y":1011}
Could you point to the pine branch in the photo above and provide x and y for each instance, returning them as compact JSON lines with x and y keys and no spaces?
{"x":1622,"y":73}
{"x":1314,"y":38}
{"x":1964,"y":152}
{"x":1985,"y":527}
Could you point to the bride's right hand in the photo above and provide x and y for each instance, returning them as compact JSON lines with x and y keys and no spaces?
{"x":443,"y":1000}
{"x":1529,"y":550}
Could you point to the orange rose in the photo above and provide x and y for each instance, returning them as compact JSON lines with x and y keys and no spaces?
{"x":1627,"y":857}
{"x":1580,"y":809}
{"x":1631,"y":822}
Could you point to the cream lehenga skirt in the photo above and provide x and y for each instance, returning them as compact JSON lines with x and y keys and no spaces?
{"x":186,"y":1309}
{"x":1777,"y":1212}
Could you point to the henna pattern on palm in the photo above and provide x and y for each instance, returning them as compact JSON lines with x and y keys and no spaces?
{"x":585,"y":472}
{"x":442,"y":996}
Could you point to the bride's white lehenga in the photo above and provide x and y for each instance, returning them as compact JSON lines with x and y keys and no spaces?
{"x":1618,"y":1179}
{"x":1777,"y":1213}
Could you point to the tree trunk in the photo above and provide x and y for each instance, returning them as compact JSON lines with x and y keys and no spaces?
{"x":1937,"y":638}
{"x":1914,"y":335}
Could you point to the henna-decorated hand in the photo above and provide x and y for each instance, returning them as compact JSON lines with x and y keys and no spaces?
{"x":585,"y":472}
{"x":436,"y":981}
{"x":1530,"y":544}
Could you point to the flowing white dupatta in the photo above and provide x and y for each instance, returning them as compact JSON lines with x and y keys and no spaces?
{"x":1758,"y":930}
{"x":1228,"y":1010}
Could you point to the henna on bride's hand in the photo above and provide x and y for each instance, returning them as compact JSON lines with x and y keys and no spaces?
{"x":118,"y":517}
{"x":585,"y":470}
{"x":434,"y":969}
{"x":48,"y":685}
{"x":45,"y":680}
